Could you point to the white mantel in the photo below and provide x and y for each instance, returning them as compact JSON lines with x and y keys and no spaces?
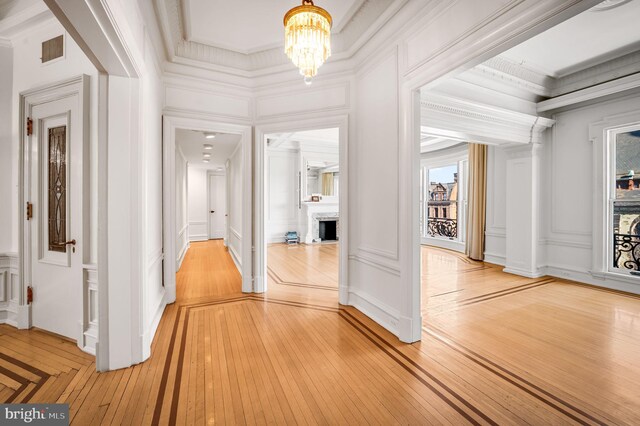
{"x":310,"y":212}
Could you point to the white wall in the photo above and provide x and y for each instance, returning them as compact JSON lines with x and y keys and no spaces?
{"x":496,"y":222}
{"x":29,"y":73}
{"x":21,"y":69}
{"x":6,"y":149}
{"x":197,"y":201}
{"x":565,"y":203}
{"x":235,"y":176}
{"x":182,"y":222}
{"x":282,"y":193}
{"x":568,"y":191}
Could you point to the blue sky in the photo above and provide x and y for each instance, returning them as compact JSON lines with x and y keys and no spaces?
{"x":442,"y":174}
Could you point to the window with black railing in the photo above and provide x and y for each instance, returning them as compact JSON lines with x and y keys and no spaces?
{"x":625,"y":202}
{"x":440,"y":189}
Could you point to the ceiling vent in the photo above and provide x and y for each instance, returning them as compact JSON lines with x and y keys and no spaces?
{"x":52,"y":49}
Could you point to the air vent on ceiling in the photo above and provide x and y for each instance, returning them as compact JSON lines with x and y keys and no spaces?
{"x":52,"y":49}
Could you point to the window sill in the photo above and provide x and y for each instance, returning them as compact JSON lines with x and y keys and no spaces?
{"x":616,"y":277}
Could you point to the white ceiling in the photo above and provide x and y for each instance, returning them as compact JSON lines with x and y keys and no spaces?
{"x":329,"y":139}
{"x":249,"y":26}
{"x":587,"y":39}
{"x":11,"y":7}
{"x":192,"y":142}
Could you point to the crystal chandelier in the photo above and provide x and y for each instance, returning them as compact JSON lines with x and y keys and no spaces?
{"x":307,"y":41}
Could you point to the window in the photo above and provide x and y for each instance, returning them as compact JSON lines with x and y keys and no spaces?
{"x":624,"y":200}
{"x":440,"y":187}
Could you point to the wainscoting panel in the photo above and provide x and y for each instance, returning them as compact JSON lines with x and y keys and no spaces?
{"x":9,"y":292}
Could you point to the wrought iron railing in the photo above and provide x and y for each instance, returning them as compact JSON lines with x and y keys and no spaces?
{"x":626,"y":251}
{"x":437,"y":227}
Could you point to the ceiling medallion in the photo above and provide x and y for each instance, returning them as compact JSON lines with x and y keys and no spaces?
{"x":307,"y":42}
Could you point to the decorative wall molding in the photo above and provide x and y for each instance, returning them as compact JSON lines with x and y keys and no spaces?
{"x":615,"y":87}
{"x":9,"y":289}
{"x":507,"y":71}
{"x":486,"y":123}
{"x":371,"y":14}
{"x":371,"y":261}
{"x":89,"y":325}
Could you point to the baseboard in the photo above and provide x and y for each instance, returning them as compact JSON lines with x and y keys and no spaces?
{"x":147,"y":337}
{"x":199,"y":237}
{"x":399,"y":325}
{"x":446,"y":244}
{"x":88,"y":339}
{"x":258,"y":284}
{"x":525,"y":273}
{"x":495,"y":259}
{"x":594,"y":279}
{"x":235,"y":258}
{"x":181,"y":256}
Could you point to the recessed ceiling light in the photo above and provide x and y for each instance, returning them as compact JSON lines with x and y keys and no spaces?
{"x":206,"y":160}
{"x":207,"y":146}
{"x":206,"y":155}
{"x":209,"y":135}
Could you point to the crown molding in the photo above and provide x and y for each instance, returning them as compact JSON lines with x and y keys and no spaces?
{"x":451,"y":117}
{"x":620,"y":66}
{"x":368,"y":16}
{"x":515,"y":75}
{"x":16,"y":24}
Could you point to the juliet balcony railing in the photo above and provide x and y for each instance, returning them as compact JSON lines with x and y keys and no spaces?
{"x":626,"y":251}
{"x":440,"y":227}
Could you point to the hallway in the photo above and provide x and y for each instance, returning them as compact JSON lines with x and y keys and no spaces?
{"x":294,"y":356}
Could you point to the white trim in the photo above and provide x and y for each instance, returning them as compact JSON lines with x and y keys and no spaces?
{"x":602,"y":163}
{"x":598,"y":91}
{"x":260,"y":237}
{"x":73,"y":87}
{"x":524,"y":272}
{"x":495,"y":259}
{"x":454,"y":245}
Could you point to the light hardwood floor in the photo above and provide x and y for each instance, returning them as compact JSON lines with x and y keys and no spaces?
{"x":496,"y":349}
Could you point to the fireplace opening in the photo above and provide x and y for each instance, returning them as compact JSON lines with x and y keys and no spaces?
{"x":328,"y":230}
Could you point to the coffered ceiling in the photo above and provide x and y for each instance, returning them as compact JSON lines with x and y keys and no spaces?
{"x":248,"y":36}
{"x":250,"y":26}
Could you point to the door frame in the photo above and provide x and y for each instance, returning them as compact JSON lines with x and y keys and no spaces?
{"x":77,"y":86}
{"x":260,"y":239}
{"x":209,"y":174}
{"x":170,"y":124}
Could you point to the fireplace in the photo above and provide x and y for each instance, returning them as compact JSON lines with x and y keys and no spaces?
{"x":328,"y":230}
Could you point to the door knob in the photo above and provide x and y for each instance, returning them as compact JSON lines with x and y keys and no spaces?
{"x":71,"y":243}
{"x":213,"y":211}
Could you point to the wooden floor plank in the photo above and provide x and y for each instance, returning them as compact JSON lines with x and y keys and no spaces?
{"x":496,"y":349}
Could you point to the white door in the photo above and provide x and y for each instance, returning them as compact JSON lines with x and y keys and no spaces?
{"x":217,"y":206}
{"x":55,"y":190}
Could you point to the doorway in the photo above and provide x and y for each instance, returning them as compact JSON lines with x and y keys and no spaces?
{"x":302,"y":210}
{"x":54,"y":184}
{"x":301,"y":191}
{"x":208,"y":169}
{"x":217,"y":200}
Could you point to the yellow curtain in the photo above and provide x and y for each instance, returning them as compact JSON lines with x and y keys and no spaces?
{"x":327,"y":184}
{"x":477,"y":201}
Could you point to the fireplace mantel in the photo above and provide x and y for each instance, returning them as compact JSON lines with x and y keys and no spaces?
{"x":312,"y":213}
